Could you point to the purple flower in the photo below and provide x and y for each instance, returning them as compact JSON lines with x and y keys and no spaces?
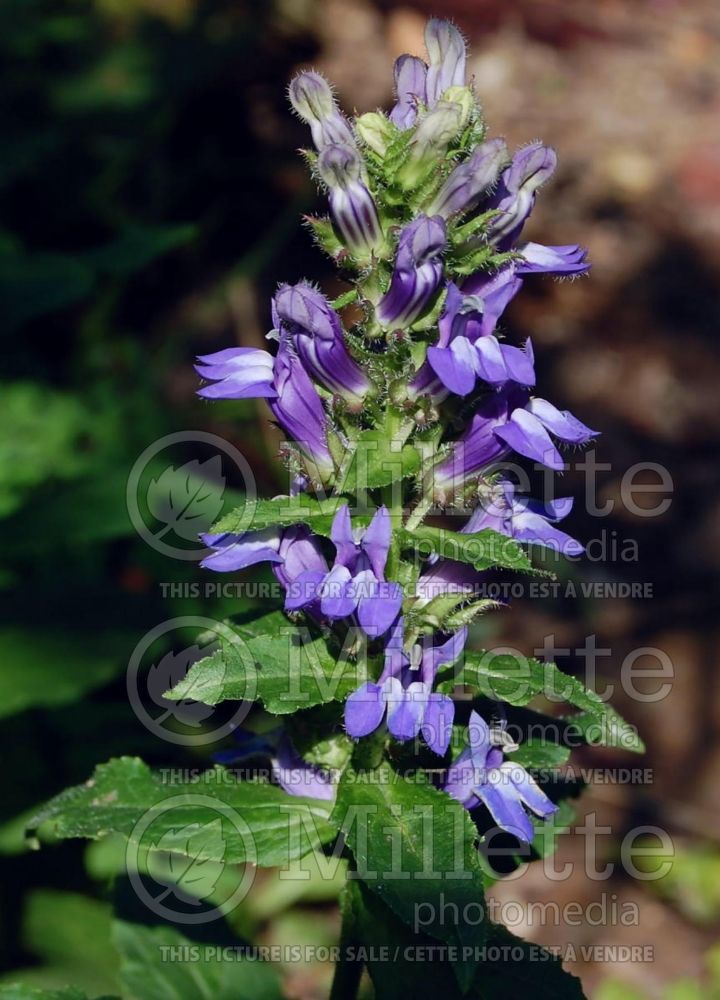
{"x":292,"y":551}
{"x":470,"y":180}
{"x":294,"y":774}
{"x":351,"y":204}
{"x":307,"y":321}
{"x":467,"y":350}
{"x":446,"y":50}
{"x":446,"y":577}
{"x":539,"y":259}
{"x":404,"y":692}
{"x":410,"y":73}
{"x":238,"y":373}
{"x":507,"y":421}
{"x":482,"y":775}
{"x":417,"y":274}
{"x":312,"y":99}
{"x":480,"y":444}
{"x":490,"y":295}
{"x":297,"y":777}
{"x":529,"y":428}
{"x":356,"y":583}
{"x":515,"y":197}
{"x":299,"y":411}
{"x":524,"y":520}
{"x":416,"y":84}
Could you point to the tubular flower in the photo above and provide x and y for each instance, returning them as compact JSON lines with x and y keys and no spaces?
{"x":351,"y":204}
{"x":417,"y":274}
{"x":299,"y":411}
{"x":292,"y":551}
{"x":404,"y":693}
{"x":467,"y":350}
{"x":509,"y":421}
{"x":307,"y":322}
{"x":356,"y":583}
{"x":312,"y":99}
{"x":523,"y":519}
{"x":515,"y":197}
{"x":237,"y":373}
{"x":470,"y":180}
{"x":481,"y":775}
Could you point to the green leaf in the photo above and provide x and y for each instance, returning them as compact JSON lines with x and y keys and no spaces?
{"x":255,"y":515}
{"x":517,"y":968}
{"x":52,"y":668}
{"x":415,"y":847}
{"x":517,"y":680}
{"x":284,"y":666}
{"x":125,"y":791}
{"x":16,"y":991}
{"x":197,"y":970}
{"x":481,"y":549}
{"x":378,"y":461}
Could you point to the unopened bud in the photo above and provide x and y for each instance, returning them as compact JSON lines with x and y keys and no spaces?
{"x":312,"y":98}
{"x":446,"y":50}
{"x":436,"y":131}
{"x":470,"y":180}
{"x":375,"y":131}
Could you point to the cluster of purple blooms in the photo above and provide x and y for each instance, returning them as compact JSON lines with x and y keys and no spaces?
{"x":316,"y":385}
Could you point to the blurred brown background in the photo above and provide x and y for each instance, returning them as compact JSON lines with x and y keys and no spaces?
{"x":158,"y":131}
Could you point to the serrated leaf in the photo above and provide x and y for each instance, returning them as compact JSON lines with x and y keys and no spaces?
{"x":283,"y":511}
{"x":186,"y":500}
{"x":411,"y":843}
{"x":517,"y":680}
{"x":286,"y":667}
{"x":378,"y":461}
{"x":481,"y":549}
{"x":125,"y":790}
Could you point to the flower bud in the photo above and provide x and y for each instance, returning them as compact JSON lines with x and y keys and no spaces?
{"x":375,"y":131}
{"x":351,"y":204}
{"x":437,"y":129}
{"x":410,"y":73}
{"x":515,"y":198}
{"x":418,"y":272}
{"x":446,"y":50}
{"x":306,"y":319}
{"x":470,"y":180}
{"x":312,"y":99}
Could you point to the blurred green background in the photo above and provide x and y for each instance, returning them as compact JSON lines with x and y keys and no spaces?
{"x":151,"y":197}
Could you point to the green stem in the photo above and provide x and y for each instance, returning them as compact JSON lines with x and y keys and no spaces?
{"x":348,"y":974}
{"x":419,"y":514}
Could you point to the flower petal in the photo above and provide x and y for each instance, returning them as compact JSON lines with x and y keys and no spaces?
{"x":364,"y":710}
{"x":436,"y":726}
